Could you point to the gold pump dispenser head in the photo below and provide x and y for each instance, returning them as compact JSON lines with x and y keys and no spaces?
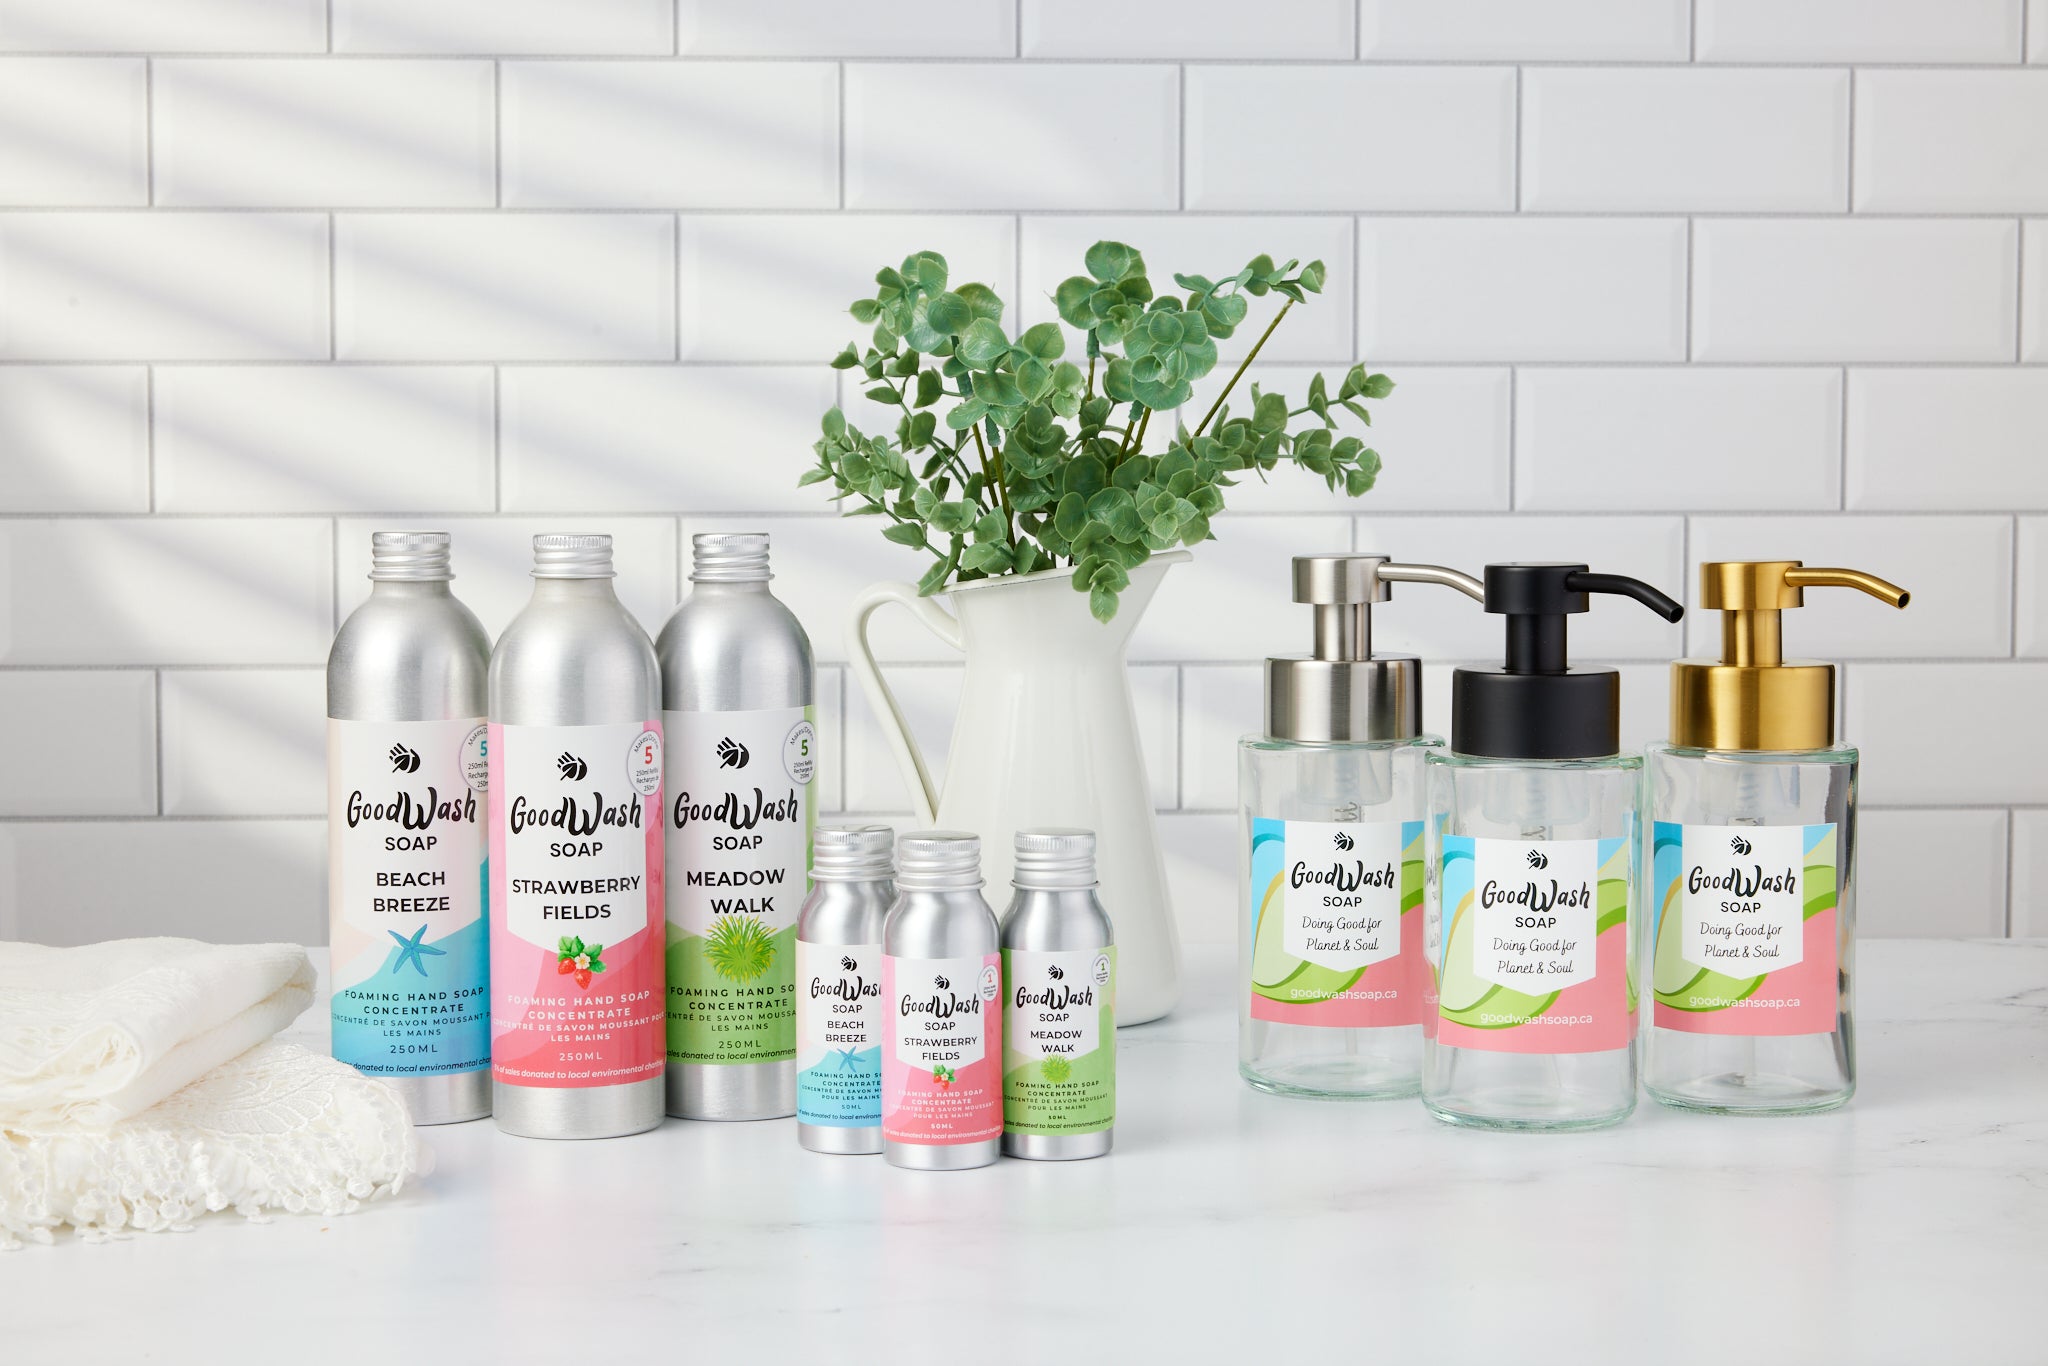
{"x":1753,"y":698}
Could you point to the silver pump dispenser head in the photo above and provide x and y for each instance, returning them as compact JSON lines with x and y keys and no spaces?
{"x":1344,"y":692}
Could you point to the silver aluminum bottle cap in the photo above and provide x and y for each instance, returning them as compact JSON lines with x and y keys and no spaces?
{"x":729,"y":557}
{"x":938,"y":861}
{"x":853,"y":853}
{"x":1344,"y":692}
{"x":1054,"y":860}
{"x":572,"y":557}
{"x":410,"y":556}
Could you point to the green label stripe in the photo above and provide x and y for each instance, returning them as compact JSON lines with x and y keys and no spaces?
{"x":732,"y":994}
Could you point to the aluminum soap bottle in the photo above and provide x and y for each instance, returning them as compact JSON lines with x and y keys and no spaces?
{"x":1533,"y":879}
{"x":1059,"y":1003}
{"x":1331,"y":975}
{"x":942,"y":987}
{"x":1753,"y":861}
{"x":406,"y":841}
{"x":839,"y":989}
{"x":576,"y":857}
{"x":737,"y":691}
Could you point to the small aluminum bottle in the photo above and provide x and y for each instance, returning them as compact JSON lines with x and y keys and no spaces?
{"x":839,"y":1017}
{"x":575,"y":697}
{"x":1059,"y":1003}
{"x":942,"y":1085}
{"x":405,"y":707}
{"x":737,"y":696}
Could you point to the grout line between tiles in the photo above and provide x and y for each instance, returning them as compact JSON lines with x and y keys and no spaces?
{"x":2019,"y":281}
{"x":1851,"y":150}
{"x":149,"y":432}
{"x":156,"y":683}
{"x":1842,"y":465}
{"x":1514,"y":387}
{"x":842,"y":137}
{"x":1692,"y":30}
{"x":2012,"y":831}
{"x":497,"y":445}
{"x":498,"y":135}
{"x":1518,"y":139}
{"x":333,"y":325}
{"x":1180,"y":133}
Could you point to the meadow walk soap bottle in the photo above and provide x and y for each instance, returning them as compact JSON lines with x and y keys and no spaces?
{"x":1753,"y":858}
{"x":1331,"y":975}
{"x":1533,"y":812}
{"x":736,"y":697}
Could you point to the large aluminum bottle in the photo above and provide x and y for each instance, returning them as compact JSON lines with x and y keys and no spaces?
{"x":406,"y":834}
{"x":737,"y":708}
{"x":577,"y":973}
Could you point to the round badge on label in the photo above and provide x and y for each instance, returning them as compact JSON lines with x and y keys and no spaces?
{"x":799,"y":753}
{"x":991,"y":983}
{"x":1099,"y":969}
{"x":643,"y":763}
{"x":475,"y":759}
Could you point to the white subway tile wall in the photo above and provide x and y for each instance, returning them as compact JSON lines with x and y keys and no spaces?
{"x":1660,"y":281}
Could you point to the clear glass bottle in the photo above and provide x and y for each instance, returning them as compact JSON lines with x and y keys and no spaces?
{"x":1331,"y":973}
{"x":1752,"y":862}
{"x":1535,"y":865}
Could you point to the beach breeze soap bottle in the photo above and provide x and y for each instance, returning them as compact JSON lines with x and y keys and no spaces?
{"x":1753,"y":860}
{"x":1331,"y":974}
{"x":576,"y":857}
{"x":736,"y":681}
{"x":406,"y":808}
{"x":839,"y":1015}
{"x":1531,"y":913}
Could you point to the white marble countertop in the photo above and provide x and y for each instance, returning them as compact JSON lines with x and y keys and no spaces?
{"x":1910,"y":1227}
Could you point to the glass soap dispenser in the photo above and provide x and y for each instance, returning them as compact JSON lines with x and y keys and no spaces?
{"x":1331,"y":974}
{"x":1533,"y":873}
{"x":1753,"y":859}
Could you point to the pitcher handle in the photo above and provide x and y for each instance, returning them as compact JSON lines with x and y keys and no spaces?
{"x":924,"y":796}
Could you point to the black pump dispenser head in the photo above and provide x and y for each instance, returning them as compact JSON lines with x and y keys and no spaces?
{"x":1537,"y":706}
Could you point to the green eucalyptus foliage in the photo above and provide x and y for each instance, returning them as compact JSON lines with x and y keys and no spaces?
{"x":1008,"y":456}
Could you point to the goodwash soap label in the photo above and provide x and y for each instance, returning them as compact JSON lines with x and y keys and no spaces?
{"x":1745,"y":929}
{"x":1059,"y":1041}
{"x":1337,"y":923}
{"x":576,"y":872}
{"x":739,"y":817}
{"x":945,"y":1042}
{"x":839,"y":1028}
{"x":1535,"y":951}
{"x":406,"y":895}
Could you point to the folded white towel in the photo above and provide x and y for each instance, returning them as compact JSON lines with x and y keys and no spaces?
{"x":92,"y":1035}
{"x":140,"y":1087}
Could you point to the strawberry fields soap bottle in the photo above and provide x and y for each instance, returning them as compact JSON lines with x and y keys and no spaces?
{"x":1331,"y":974}
{"x":1753,"y":860}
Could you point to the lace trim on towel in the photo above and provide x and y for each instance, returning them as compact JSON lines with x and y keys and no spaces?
{"x":277,"y":1128}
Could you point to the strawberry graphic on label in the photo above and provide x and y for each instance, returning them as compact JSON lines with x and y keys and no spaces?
{"x":943,"y":1075}
{"x":575,"y":958}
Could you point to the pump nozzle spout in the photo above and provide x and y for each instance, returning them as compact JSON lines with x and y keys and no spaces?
{"x":1882,"y":590}
{"x":1662,"y":604}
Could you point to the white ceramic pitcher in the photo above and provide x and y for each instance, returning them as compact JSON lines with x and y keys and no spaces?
{"x":1046,"y":735}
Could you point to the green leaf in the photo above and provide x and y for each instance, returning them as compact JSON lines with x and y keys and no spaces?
{"x":1110,"y":262}
{"x":1311,"y":277}
{"x":965,"y":415}
{"x":1044,"y":341}
{"x":1084,"y":475}
{"x":906,"y":533}
{"x":982,"y":300}
{"x":1071,"y":515}
{"x":1072,"y":298}
{"x":954,"y":517}
{"x":1117,"y":382}
{"x":881,"y":393}
{"x":846,"y":359}
{"x":865,"y":310}
{"x":1269,"y":414}
{"x":1378,"y":386}
{"x":982,"y":344}
{"x":997,"y":389}
{"x":929,"y":388}
{"x":948,"y":314}
{"x":834,"y":423}
{"x":1101,"y":604}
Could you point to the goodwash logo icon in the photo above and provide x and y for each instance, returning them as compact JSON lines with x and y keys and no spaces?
{"x":1739,"y":845}
{"x":404,"y":760}
{"x":1054,"y":972}
{"x":1538,"y":859}
{"x":942,"y":984}
{"x":732,"y":754}
{"x":848,"y":964}
{"x":572,"y":769}
{"x":1344,"y":841}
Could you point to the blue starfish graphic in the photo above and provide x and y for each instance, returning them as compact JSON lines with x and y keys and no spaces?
{"x":409,"y":950}
{"x":847,"y":1062}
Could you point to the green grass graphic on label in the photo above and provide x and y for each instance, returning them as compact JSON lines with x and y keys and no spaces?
{"x":732,"y":994}
{"x":740,"y":950}
{"x":1684,"y":985}
{"x":1465,"y":997}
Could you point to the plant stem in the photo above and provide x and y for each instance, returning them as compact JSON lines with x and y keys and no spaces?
{"x":992,"y":470}
{"x":1090,"y":391}
{"x":1242,"y":366}
{"x":1146,"y":421}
